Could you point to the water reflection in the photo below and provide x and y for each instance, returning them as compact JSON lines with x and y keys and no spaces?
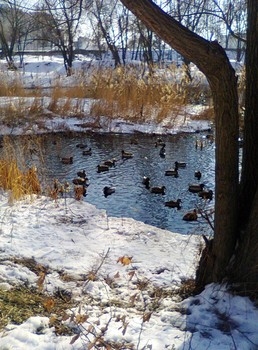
{"x":131,"y":198}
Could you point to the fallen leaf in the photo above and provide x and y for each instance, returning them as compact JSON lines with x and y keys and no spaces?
{"x":117,"y":275}
{"x":75,"y":338}
{"x":131,"y":274}
{"x":49,"y":304}
{"x":125,"y":260}
{"x":146,"y":317}
{"x":81,"y":318}
{"x":41,"y":279}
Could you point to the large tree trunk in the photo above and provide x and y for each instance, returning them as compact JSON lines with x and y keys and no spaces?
{"x":249,"y":178}
{"x":211,"y":59}
{"x":245,"y":266}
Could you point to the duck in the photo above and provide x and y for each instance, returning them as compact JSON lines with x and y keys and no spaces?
{"x":87,"y":152}
{"x":159,"y":142}
{"x":191,"y":216}
{"x":171,"y":172}
{"x":108,"y":190}
{"x":81,"y":145}
{"x":110,"y":162}
{"x":198,"y":174}
{"x":174,"y":204}
{"x":146,"y":181}
{"x":162,"y":151}
{"x":180,"y":164}
{"x":102,"y":167}
{"x":195,"y":188}
{"x":80,"y":181}
{"x":158,"y":189}
{"x":82,"y":174}
{"x":134,"y":141}
{"x":126,"y":155}
{"x":206,"y":194}
{"x":67,"y":160}
{"x":80,"y":191}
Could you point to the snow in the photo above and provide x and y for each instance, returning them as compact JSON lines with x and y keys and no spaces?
{"x":135,"y":269}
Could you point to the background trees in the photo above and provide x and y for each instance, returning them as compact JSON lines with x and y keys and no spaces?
{"x":58,"y":21}
{"x":16,"y":23}
{"x":108,"y":25}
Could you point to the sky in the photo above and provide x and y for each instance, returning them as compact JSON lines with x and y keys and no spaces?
{"x":123,"y":275}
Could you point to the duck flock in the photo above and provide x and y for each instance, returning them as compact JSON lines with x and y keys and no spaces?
{"x":81,"y":182}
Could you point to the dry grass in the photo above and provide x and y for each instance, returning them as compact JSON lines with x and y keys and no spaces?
{"x":19,"y":303}
{"x":16,"y":178}
{"x":127,"y":92}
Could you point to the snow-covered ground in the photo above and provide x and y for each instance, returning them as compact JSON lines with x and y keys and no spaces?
{"x":123,"y":275}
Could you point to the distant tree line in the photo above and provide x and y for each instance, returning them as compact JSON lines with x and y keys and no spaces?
{"x":67,"y":25}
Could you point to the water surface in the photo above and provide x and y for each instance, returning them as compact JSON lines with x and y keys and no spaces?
{"x":131,"y":198}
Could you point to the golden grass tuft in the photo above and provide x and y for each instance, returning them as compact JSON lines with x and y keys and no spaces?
{"x":128,"y":92}
{"x":19,"y":183}
{"x":16,"y":178}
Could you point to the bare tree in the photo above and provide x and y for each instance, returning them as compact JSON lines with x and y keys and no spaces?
{"x":233,"y":15}
{"x":16,"y":23}
{"x":59,"y":21}
{"x":105,"y":14}
{"x":233,"y":251}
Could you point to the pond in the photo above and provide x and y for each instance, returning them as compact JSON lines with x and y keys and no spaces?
{"x":131,"y":197}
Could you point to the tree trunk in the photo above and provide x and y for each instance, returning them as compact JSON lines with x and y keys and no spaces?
{"x":249,"y":178}
{"x":245,"y":266}
{"x":211,"y":59}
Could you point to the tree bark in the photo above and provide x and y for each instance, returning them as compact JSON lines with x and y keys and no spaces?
{"x":245,"y":266}
{"x":211,"y":59}
{"x":249,"y":178}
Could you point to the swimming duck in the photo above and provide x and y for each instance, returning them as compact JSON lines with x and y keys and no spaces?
{"x":108,"y":191}
{"x":158,"y":189}
{"x":146,"y":181}
{"x":134,"y":141}
{"x":162,"y":151}
{"x":110,"y":162}
{"x":191,"y":216}
{"x":81,"y":145}
{"x":171,"y":172}
{"x":126,"y":155}
{"x":159,"y":142}
{"x":82,"y":174}
{"x":206,"y":194}
{"x":67,"y":160}
{"x":198,"y":174}
{"x":174,"y":204}
{"x":195,"y":188}
{"x":180,"y":164}
{"x":87,"y":152}
{"x":102,"y":167}
{"x":80,"y":181}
